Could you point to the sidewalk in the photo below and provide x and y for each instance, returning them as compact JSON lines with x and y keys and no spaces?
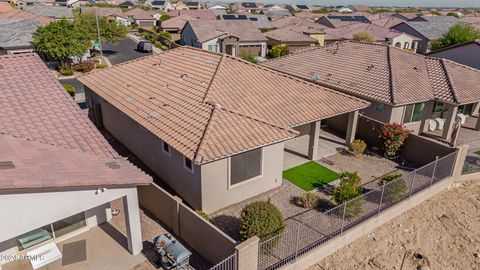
{"x":137,"y":39}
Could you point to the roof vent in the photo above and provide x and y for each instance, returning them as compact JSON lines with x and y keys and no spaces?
{"x":154,"y":114}
{"x":158,"y":63}
{"x":4,"y":165}
{"x":112,"y":165}
{"x":370,"y":67}
{"x":213,"y":103}
{"x":129,"y":99}
{"x":209,"y":61}
{"x":314,"y":77}
{"x":183,"y":76}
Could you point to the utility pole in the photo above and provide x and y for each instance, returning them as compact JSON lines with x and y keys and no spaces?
{"x":98,"y":32}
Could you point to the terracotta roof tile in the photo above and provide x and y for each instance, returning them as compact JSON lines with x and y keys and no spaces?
{"x":383,"y":73}
{"x":210,"y":105}
{"x":287,"y":35}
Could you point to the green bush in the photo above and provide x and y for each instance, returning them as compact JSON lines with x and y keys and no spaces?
{"x":102,"y":66}
{"x":85,"y":66}
{"x":157,"y":44}
{"x":66,"y":70}
{"x":134,"y":25}
{"x":203,"y":215}
{"x":395,"y":187}
{"x":155,"y":28}
{"x":249,"y":58}
{"x":70,"y":89}
{"x":358,"y":147}
{"x":166,"y":35}
{"x":262,"y":219}
{"x":364,"y":37}
{"x":392,"y":137}
{"x":308,"y":200}
{"x":278,"y":50}
{"x":347,"y":191}
{"x":164,"y":17}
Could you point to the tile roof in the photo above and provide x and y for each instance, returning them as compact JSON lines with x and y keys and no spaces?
{"x":289,"y":36}
{"x":5,"y":7}
{"x":49,"y":11}
{"x":21,"y":14}
{"x":140,"y":14}
{"x":434,"y":27}
{"x":211,"y":105}
{"x":387,"y":21}
{"x":342,"y":20}
{"x":383,"y":73}
{"x":42,"y":126}
{"x":102,"y":11}
{"x":379,"y":33}
{"x":17,"y":33}
{"x":176,"y":22}
{"x":198,"y":14}
{"x":208,"y":29}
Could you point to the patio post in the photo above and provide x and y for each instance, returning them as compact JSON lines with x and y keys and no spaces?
{"x":352,"y":127}
{"x":132,"y":222}
{"x":449,"y":123}
{"x":426,"y":115}
{"x":477,"y":126}
{"x":313,"y":143}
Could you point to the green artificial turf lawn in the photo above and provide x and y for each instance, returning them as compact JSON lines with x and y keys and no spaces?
{"x":310,"y":175}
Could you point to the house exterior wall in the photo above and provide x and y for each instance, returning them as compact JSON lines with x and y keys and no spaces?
{"x":169,"y":168}
{"x":403,"y":40}
{"x":468,"y":55}
{"x":217,"y":192}
{"x":188,"y":37}
{"x":30,"y":210}
{"x":214,"y":41}
{"x":320,"y":38}
{"x":291,"y":45}
{"x":423,"y":45}
{"x":252,"y":48}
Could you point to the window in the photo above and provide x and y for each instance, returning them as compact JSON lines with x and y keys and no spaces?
{"x":378,"y":107}
{"x":245,"y":166}
{"x":437,"y":109}
{"x":213,"y":48}
{"x":413,"y":112}
{"x":188,"y":164}
{"x":35,"y":237}
{"x":465,"y":109}
{"x":398,"y":45}
{"x":406,"y":46}
{"x":166,"y":148}
{"x":69,"y":224}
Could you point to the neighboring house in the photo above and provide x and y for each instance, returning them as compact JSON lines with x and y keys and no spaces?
{"x":111,"y":14}
{"x":58,"y":174}
{"x":126,"y":4}
{"x":309,"y":16}
{"x":144,"y":18}
{"x":181,"y":6}
{"x":293,"y":40}
{"x":380,"y":34}
{"x":16,"y":35}
{"x":302,"y":26}
{"x":161,"y":5}
{"x":22,"y":3}
{"x":466,"y":53}
{"x":404,"y":87}
{"x":54,"y":12}
{"x":175,"y":25}
{"x":408,"y":16}
{"x":247,"y":6}
{"x":336,"y":21}
{"x":427,"y":31}
{"x":198,"y":14}
{"x":192,"y":5}
{"x":359,"y":8}
{"x":217,"y":6}
{"x":233,"y":37}
{"x":344,"y":10}
{"x":17,"y":14}
{"x":259,"y":20}
{"x":298,"y":8}
{"x":287,"y":21}
{"x":212,"y":126}
{"x":385,"y":21}
{"x":473,"y":21}
{"x":275,"y":14}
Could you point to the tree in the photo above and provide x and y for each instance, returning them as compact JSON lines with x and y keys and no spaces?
{"x":457,"y":34}
{"x":364,"y":37}
{"x":165,"y":17}
{"x":278,"y":50}
{"x":109,"y":31}
{"x":60,"y":40}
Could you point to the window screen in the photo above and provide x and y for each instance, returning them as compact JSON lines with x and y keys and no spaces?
{"x":246,"y":166}
{"x":378,"y":107}
{"x":413,"y":112}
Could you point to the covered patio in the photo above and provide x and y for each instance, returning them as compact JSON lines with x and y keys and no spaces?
{"x":320,"y":139}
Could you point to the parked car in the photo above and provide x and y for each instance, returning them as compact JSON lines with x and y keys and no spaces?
{"x":144,"y":46}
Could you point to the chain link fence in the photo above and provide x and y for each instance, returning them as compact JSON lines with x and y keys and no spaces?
{"x":312,"y":229}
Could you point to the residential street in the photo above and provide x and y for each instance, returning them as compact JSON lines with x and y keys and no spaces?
{"x":124,"y":50}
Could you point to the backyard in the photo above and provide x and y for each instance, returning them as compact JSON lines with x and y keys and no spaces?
{"x":310,"y":175}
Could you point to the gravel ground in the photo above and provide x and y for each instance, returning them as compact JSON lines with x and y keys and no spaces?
{"x":444,"y":230}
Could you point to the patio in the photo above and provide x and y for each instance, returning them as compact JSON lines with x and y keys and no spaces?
{"x":468,"y":132}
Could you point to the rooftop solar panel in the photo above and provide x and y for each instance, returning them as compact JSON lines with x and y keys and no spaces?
{"x":229,"y":17}
{"x":242,"y":17}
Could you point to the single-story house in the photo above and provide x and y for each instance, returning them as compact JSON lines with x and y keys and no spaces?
{"x":126,"y":4}
{"x":275,"y":14}
{"x":16,"y":35}
{"x":423,"y":93}
{"x":197,"y":14}
{"x":194,"y":5}
{"x":54,"y":12}
{"x":144,"y":18}
{"x":292,"y":39}
{"x":163,"y":5}
{"x":58,"y":174}
{"x":259,"y":20}
{"x":111,"y":14}
{"x":247,"y":6}
{"x":336,"y":21}
{"x":180,"y":6}
{"x":380,"y":34}
{"x":17,"y":14}
{"x":465,"y":53}
{"x":359,"y":8}
{"x":409,"y":16}
{"x":385,"y":21}
{"x":427,"y":31}
{"x":217,"y":6}
{"x":212,"y":126}
{"x":233,"y":37}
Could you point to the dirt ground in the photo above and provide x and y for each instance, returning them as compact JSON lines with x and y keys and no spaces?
{"x":444,"y":230}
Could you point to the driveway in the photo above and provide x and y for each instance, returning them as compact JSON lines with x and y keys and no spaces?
{"x":125,"y":50}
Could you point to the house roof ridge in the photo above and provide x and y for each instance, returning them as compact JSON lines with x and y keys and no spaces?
{"x":213,"y":78}
{"x":390,"y":75}
{"x":203,"y":137}
{"x":449,"y":80}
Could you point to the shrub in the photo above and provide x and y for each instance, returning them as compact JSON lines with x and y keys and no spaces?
{"x":262,"y":219}
{"x":392,"y":137}
{"x":308,"y":200}
{"x":395,"y":187}
{"x":134,"y":25}
{"x":203,"y":215}
{"x":364,"y":37}
{"x":166,"y":34}
{"x":85,"y":66}
{"x":155,"y":28}
{"x":278,"y":50}
{"x":347,"y":191}
{"x":249,"y":58}
{"x":358,"y":147}
{"x":164,"y":17}
{"x":102,"y":65}
{"x":157,"y":44}
{"x":70,"y":89}
{"x":66,"y":70}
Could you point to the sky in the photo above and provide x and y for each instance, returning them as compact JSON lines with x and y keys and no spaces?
{"x":399,"y":3}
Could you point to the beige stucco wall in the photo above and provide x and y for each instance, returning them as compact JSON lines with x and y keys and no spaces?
{"x":384,"y":116}
{"x":216,"y":191}
{"x":148,"y":148}
{"x":320,"y":38}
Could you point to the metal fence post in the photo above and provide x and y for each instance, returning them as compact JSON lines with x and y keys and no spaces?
{"x":297,"y":241}
{"x":343,"y":217}
{"x":413,"y":183}
{"x":434,"y":169}
{"x":381,"y":199}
